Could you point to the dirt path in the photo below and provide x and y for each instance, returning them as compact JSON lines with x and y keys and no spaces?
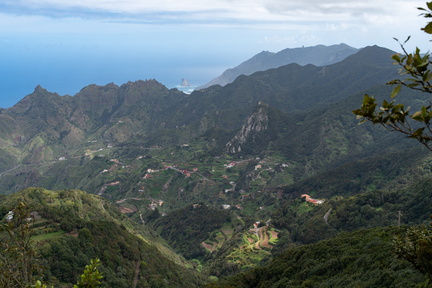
{"x":263,"y":238}
{"x":126,"y":210}
{"x":265,"y":242}
{"x":137,"y":269}
{"x":7,"y":171}
{"x":259,"y":234}
{"x":142,"y":220}
{"x":123,"y":200}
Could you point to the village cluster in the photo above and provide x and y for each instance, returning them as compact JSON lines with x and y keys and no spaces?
{"x":155,"y":203}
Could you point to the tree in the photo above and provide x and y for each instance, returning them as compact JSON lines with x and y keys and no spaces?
{"x":18,"y":259}
{"x":416,"y":247}
{"x":417,"y":75}
{"x":19,"y":262}
{"x":89,"y":279}
{"x":91,"y":276}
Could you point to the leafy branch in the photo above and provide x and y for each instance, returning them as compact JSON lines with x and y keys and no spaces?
{"x":416,"y":247}
{"x":18,"y":259}
{"x":393,"y":116}
{"x":91,"y":276}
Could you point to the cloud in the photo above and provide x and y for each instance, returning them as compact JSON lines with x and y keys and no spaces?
{"x":310,"y":21}
{"x":290,"y":15}
{"x":211,"y":10}
{"x":323,"y":6}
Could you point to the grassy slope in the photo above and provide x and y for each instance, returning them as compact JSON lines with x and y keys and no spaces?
{"x":71,"y":227}
{"x":363,"y":258}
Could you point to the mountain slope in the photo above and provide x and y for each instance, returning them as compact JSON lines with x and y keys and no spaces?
{"x":317,"y":55}
{"x":291,"y":88}
{"x":71,"y":227}
{"x":45,"y":126}
{"x":252,"y":148}
{"x":358,"y":259}
{"x":308,"y":128}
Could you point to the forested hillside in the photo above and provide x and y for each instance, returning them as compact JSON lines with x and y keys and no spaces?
{"x":363,"y":258}
{"x":70,"y":227}
{"x":192,"y":188}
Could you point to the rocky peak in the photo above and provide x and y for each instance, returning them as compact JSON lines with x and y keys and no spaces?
{"x":38,"y":98}
{"x":256,"y":123}
{"x":40,"y":89}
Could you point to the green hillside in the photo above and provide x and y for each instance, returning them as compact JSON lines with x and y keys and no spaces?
{"x":73,"y":139}
{"x":358,"y":259}
{"x":218,"y":176}
{"x":71,"y":227}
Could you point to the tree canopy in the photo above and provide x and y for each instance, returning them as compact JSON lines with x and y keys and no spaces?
{"x":415,"y":74}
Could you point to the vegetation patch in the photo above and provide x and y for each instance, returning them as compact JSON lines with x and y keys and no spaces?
{"x":47,"y":236}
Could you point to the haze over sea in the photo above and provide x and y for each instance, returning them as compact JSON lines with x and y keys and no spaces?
{"x":67,"y":72}
{"x":66,"y":45}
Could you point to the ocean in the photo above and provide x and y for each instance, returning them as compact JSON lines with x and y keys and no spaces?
{"x":67,"y":74}
{"x":56,"y":79}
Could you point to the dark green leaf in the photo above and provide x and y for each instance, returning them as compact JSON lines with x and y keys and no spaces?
{"x":428,"y":28}
{"x":417,"y":116}
{"x":397,"y":58}
{"x":396,"y":91}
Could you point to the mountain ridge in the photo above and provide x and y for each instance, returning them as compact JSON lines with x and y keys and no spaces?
{"x":147,"y":114}
{"x":291,"y":88}
{"x":166,"y":158}
{"x":319,"y":55}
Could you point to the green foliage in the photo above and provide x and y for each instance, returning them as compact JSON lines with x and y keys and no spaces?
{"x":216,"y":114}
{"x":39,"y":284}
{"x":96,"y":230}
{"x":358,"y":259}
{"x":394,"y":116}
{"x":416,"y":247}
{"x":91,"y":276}
{"x":325,"y":155}
{"x":347,"y":213}
{"x":19,"y":266}
{"x":185,"y":229}
{"x":89,"y":279}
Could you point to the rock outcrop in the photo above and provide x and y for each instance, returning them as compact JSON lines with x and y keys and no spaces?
{"x":256,"y":123}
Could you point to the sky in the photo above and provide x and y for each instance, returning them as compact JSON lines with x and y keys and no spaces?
{"x":65,"y":45}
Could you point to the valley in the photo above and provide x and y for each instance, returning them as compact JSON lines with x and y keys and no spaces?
{"x":224,"y":185}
